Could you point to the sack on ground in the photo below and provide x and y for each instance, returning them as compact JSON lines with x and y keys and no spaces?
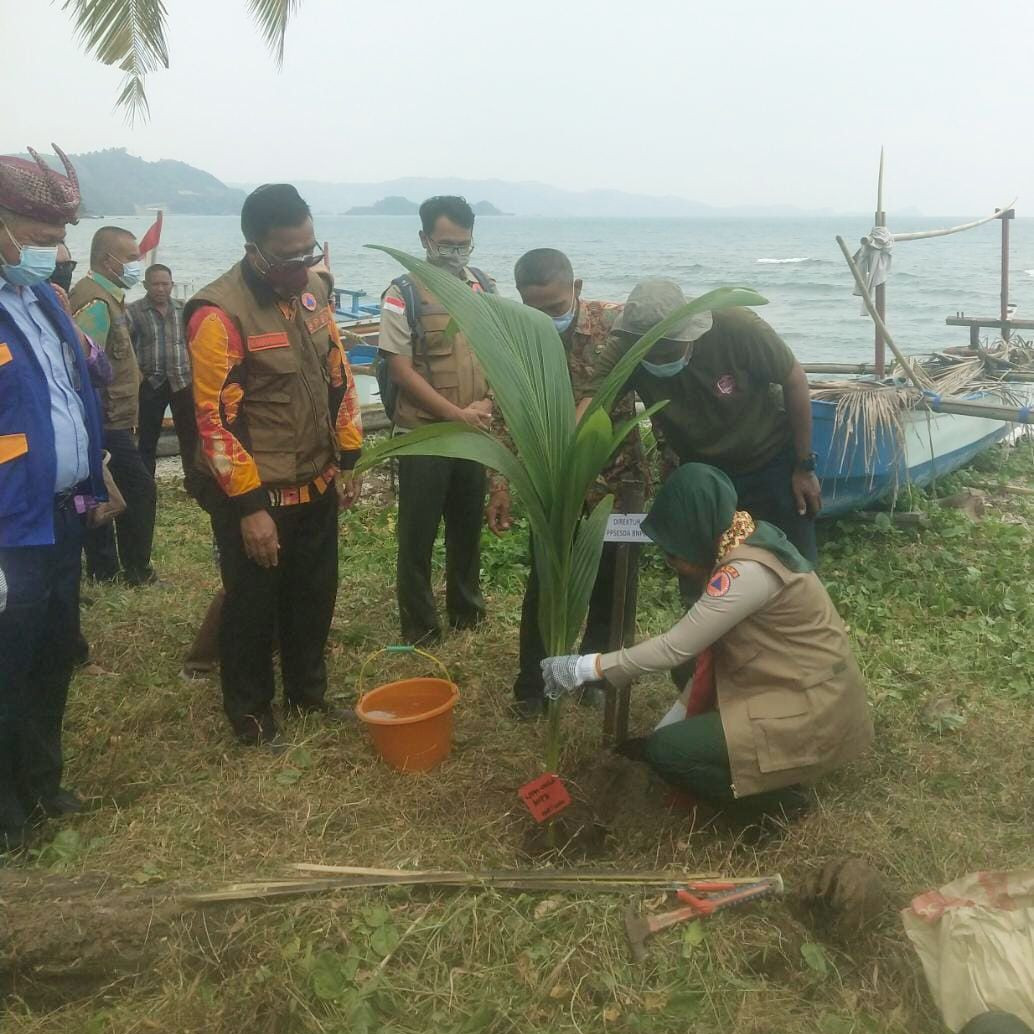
{"x":975,"y":939}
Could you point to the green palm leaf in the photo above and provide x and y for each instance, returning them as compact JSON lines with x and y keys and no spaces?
{"x":272,"y":17}
{"x":128,"y":33}
{"x":132,"y":35}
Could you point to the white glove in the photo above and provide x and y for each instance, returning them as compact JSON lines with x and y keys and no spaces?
{"x":566,"y":673}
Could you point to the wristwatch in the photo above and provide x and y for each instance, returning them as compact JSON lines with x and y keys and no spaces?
{"x":808,"y":463}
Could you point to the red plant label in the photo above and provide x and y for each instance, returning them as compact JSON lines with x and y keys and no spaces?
{"x":545,"y":797}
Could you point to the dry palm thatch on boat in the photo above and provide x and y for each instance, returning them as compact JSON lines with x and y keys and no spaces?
{"x":870,"y":412}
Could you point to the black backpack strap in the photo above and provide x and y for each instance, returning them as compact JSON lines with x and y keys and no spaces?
{"x":411,"y":299}
{"x":484,"y":280}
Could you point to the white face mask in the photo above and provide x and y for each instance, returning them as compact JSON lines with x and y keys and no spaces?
{"x":453,"y":257}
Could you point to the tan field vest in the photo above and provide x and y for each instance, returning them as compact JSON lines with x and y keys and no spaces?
{"x":286,"y":407}
{"x":792,"y":699}
{"x":445,"y":361}
{"x":121,"y":398}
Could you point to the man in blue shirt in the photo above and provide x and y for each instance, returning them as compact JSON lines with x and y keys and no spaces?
{"x":50,"y":478}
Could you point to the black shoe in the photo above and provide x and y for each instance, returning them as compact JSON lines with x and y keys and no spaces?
{"x":467,"y":624}
{"x":64,"y":802}
{"x":256,"y":731}
{"x":428,"y":637}
{"x":138,"y":579}
{"x":330,"y":712}
{"x":528,"y":709}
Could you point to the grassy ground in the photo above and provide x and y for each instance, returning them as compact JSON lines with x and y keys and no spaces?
{"x":940,"y":618}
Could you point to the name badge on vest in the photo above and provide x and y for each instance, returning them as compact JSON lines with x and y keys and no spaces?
{"x":260,"y":342}
{"x":318,"y":322}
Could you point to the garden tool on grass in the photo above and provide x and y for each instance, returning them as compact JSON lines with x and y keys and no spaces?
{"x":701,"y":899}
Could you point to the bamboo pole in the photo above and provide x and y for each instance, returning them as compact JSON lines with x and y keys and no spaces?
{"x":876,"y":317}
{"x":858,"y":368}
{"x":566,"y":881}
{"x":924,"y":235}
{"x":867,"y":369}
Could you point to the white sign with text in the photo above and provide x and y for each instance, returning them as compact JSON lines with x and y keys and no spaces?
{"x":625,"y":527}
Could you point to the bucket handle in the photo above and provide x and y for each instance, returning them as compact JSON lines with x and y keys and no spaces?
{"x":402,"y":648}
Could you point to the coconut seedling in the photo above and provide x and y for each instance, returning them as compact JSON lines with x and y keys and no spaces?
{"x":556,"y":458}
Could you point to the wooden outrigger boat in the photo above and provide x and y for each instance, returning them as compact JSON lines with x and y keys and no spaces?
{"x":928,"y":421}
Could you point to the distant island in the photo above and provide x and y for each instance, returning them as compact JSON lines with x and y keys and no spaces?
{"x":396,"y":205}
{"x":118,"y":183}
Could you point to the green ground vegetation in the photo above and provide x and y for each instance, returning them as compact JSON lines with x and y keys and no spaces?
{"x":940,"y":617}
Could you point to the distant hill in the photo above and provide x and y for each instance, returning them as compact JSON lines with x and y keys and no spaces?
{"x":526,"y":198}
{"x":395,"y":205}
{"x":114,"y":182}
{"x":386,"y":206}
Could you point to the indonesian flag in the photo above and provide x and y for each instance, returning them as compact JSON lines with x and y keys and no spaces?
{"x":149,"y":241}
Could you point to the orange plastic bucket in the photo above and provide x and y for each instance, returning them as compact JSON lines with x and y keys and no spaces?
{"x":410,"y":721}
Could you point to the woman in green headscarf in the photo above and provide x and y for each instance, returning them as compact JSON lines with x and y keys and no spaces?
{"x":776,"y":698}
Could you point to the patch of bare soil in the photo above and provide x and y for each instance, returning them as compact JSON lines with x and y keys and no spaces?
{"x":846,"y":899}
{"x":62,"y":937}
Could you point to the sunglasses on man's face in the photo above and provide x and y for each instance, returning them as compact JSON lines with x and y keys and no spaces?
{"x":67,"y":266}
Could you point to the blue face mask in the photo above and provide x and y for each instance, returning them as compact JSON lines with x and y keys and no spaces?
{"x":34,"y":264}
{"x":672,"y":369}
{"x":563,"y":322}
{"x":131,"y":273}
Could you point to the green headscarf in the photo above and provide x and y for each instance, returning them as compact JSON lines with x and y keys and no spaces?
{"x":695,"y":507}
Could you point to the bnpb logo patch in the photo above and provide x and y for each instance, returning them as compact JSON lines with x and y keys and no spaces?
{"x":721,"y":581}
{"x":309,"y":301}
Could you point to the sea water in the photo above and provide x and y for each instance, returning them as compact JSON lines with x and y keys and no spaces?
{"x":795,"y":263}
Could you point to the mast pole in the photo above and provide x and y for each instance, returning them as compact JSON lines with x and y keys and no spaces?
{"x":1005,"y":217}
{"x":881,"y":289}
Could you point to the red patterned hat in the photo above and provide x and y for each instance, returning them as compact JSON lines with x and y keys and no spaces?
{"x":35,"y":190}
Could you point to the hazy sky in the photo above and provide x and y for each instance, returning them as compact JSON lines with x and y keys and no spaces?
{"x":754,"y":102}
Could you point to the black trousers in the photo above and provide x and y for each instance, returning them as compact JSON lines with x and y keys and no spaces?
{"x":430,"y":488}
{"x":596,"y":638}
{"x":153,"y":403}
{"x":39,"y":624}
{"x":295,"y":598}
{"x":767,"y":495}
{"x":134,"y":530}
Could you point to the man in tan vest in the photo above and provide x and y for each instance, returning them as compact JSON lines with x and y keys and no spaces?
{"x":438,"y":378}
{"x":279,"y":428}
{"x":99,"y":307}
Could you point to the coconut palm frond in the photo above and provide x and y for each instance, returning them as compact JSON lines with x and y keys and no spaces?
{"x":130,"y":34}
{"x":272,"y":17}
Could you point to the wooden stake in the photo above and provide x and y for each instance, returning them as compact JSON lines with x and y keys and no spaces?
{"x":623,"y":606}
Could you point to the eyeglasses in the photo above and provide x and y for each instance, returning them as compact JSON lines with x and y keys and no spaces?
{"x":67,"y":266}
{"x":453,"y":250}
